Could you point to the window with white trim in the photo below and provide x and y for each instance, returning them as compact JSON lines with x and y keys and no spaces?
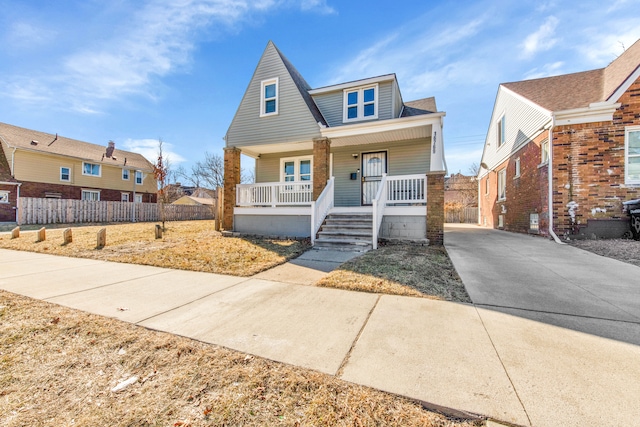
{"x":269,"y":97}
{"x":91,"y":195}
{"x":486,"y":185}
{"x":91,"y":169}
{"x":296,"y":169}
{"x":517,"y":164}
{"x":124,"y":197}
{"x":502,"y":130}
{"x":65,"y":174}
{"x":125,"y":175}
{"x":139,"y":177}
{"x":544,"y":152}
{"x":502,"y":184}
{"x":632,"y":155}
{"x":4,"y":197}
{"x":138,"y":198}
{"x":360,"y":103}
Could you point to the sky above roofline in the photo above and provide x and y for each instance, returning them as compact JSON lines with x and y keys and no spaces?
{"x":136,"y":71}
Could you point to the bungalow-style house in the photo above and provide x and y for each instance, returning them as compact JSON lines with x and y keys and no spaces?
{"x":568,"y":145}
{"x":353,"y":154}
{"x":42,"y":165}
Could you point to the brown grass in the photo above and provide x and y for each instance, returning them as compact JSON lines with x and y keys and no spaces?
{"x":401,"y":270}
{"x":621,"y":249}
{"x":58,"y":367}
{"x":186,"y":245}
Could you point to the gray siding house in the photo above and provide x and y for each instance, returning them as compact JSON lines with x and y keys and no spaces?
{"x":344,"y":164}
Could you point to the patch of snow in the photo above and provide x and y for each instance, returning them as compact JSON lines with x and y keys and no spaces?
{"x":124,"y":384}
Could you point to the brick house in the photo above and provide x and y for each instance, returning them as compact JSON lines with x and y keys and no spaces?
{"x":569,"y":145}
{"x":41,"y":165}
{"x":352,"y":153}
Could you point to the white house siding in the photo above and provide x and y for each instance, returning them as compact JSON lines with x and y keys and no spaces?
{"x":523,"y":122}
{"x":294,"y":121}
{"x":331,"y":104}
{"x":396,"y":100}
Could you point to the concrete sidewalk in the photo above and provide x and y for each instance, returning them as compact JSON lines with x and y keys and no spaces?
{"x":434,"y":351}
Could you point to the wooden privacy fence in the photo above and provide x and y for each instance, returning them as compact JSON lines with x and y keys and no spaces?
{"x":461,"y":215}
{"x":66,"y":211}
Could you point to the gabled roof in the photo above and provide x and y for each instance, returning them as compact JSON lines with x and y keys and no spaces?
{"x":303,"y":88}
{"x":419,"y":107}
{"x":26,"y":139}
{"x":578,"y":90}
{"x":5,"y":170}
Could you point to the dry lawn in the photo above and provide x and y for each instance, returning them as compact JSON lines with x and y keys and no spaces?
{"x":621,"y":249}
{"x":401,"y":270}
{"x":59,"y":366}
{"x":186,"y":245}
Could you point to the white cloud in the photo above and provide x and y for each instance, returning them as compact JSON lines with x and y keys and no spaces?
{"x":552,"y":69}
{"x":541,"y":40}
{"x":149,"y":149}
{"x":26,"y":35}
{"x":154,"y":42}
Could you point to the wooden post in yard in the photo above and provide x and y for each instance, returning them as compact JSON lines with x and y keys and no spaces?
{"x":15,"y":233}
{"x":67,"y":236}
{"x":102,"y":238}
{"x":42,"y":235}
{"x":158,"y":231}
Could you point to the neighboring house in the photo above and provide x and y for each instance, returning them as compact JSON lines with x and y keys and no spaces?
{"x":569,"y":145}
{"x":194,"y":201}
{"x":52,"y":166}
{"x":331,"y":151}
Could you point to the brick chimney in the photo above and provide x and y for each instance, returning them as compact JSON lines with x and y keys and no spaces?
{"x":110,"y":147}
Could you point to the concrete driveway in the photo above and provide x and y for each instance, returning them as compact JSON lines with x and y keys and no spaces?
{"x":536,"y":278}
{"x":564,"y":322}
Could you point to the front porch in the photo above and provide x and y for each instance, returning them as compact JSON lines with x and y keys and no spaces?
{"x":399,"y":210}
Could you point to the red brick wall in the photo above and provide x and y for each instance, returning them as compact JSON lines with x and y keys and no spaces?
{"x":37,"y":189}
{"x":524,"y":195}
{"x":231,"y":179}
{"x":435,"y":208}
{"x":589,"y":167}
{"x":7,"y":210}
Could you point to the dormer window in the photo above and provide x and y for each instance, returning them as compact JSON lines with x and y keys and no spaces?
{"x":361,"y":103}
{"x":269,"y":97}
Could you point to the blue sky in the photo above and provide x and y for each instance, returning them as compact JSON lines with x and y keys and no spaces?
{"x":136,"y":71}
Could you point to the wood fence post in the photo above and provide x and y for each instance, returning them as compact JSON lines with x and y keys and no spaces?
{"x":15,"y":233}
{"x":158,"y":231}
{"x":102,"y":238}
{"x":42,"y":235}
{"x":67,"y":236}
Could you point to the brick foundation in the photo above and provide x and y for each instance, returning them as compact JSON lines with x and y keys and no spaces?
{"x":435,"y":209}
{"x":231,"y":179}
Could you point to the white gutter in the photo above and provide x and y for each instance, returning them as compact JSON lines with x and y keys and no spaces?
{"x":383,"y":125}
{"x":550,"y":181}
{"x":13,"y":161}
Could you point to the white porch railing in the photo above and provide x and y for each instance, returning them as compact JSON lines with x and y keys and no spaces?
{"x":378,"y":205}
{"x":320,"y":208}
{"x":274,"y":194}
{"x":406,"y":189}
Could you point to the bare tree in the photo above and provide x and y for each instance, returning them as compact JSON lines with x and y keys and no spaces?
{"x":161,"y":171}
{"x":209,"y":172}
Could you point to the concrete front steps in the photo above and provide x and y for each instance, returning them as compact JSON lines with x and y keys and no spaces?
{"x":346,"y":232}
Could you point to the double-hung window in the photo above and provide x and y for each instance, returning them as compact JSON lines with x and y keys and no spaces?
{"x":269,"y":97}
{"x":296,"y":169}
{"x":632,"y":155}
{"x":138,"y":177}
{"x":138,"y":198}
{"x":125,"y":175}
{"x":4,"y":197}
{"x":92,"y":195}
{"x":65,"y":174}
{"x":502,"y":184}
{"x":360,"y":103}
{"x":91,"y":169}
{"x":124,"y":197}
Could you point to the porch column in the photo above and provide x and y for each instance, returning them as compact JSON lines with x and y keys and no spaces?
{"x":231,"y":179}
{"x":435,"y":208}
{"x":321,"y":165}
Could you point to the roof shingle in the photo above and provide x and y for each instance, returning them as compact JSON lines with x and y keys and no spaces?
{"x":22,"y":138}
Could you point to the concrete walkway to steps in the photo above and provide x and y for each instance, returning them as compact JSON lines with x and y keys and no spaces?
{"x":434,"y":351}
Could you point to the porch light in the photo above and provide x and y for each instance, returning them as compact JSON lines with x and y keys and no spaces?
{"x":354,"y":155}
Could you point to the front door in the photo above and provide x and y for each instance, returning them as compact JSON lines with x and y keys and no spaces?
{"x":374,"y":165}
